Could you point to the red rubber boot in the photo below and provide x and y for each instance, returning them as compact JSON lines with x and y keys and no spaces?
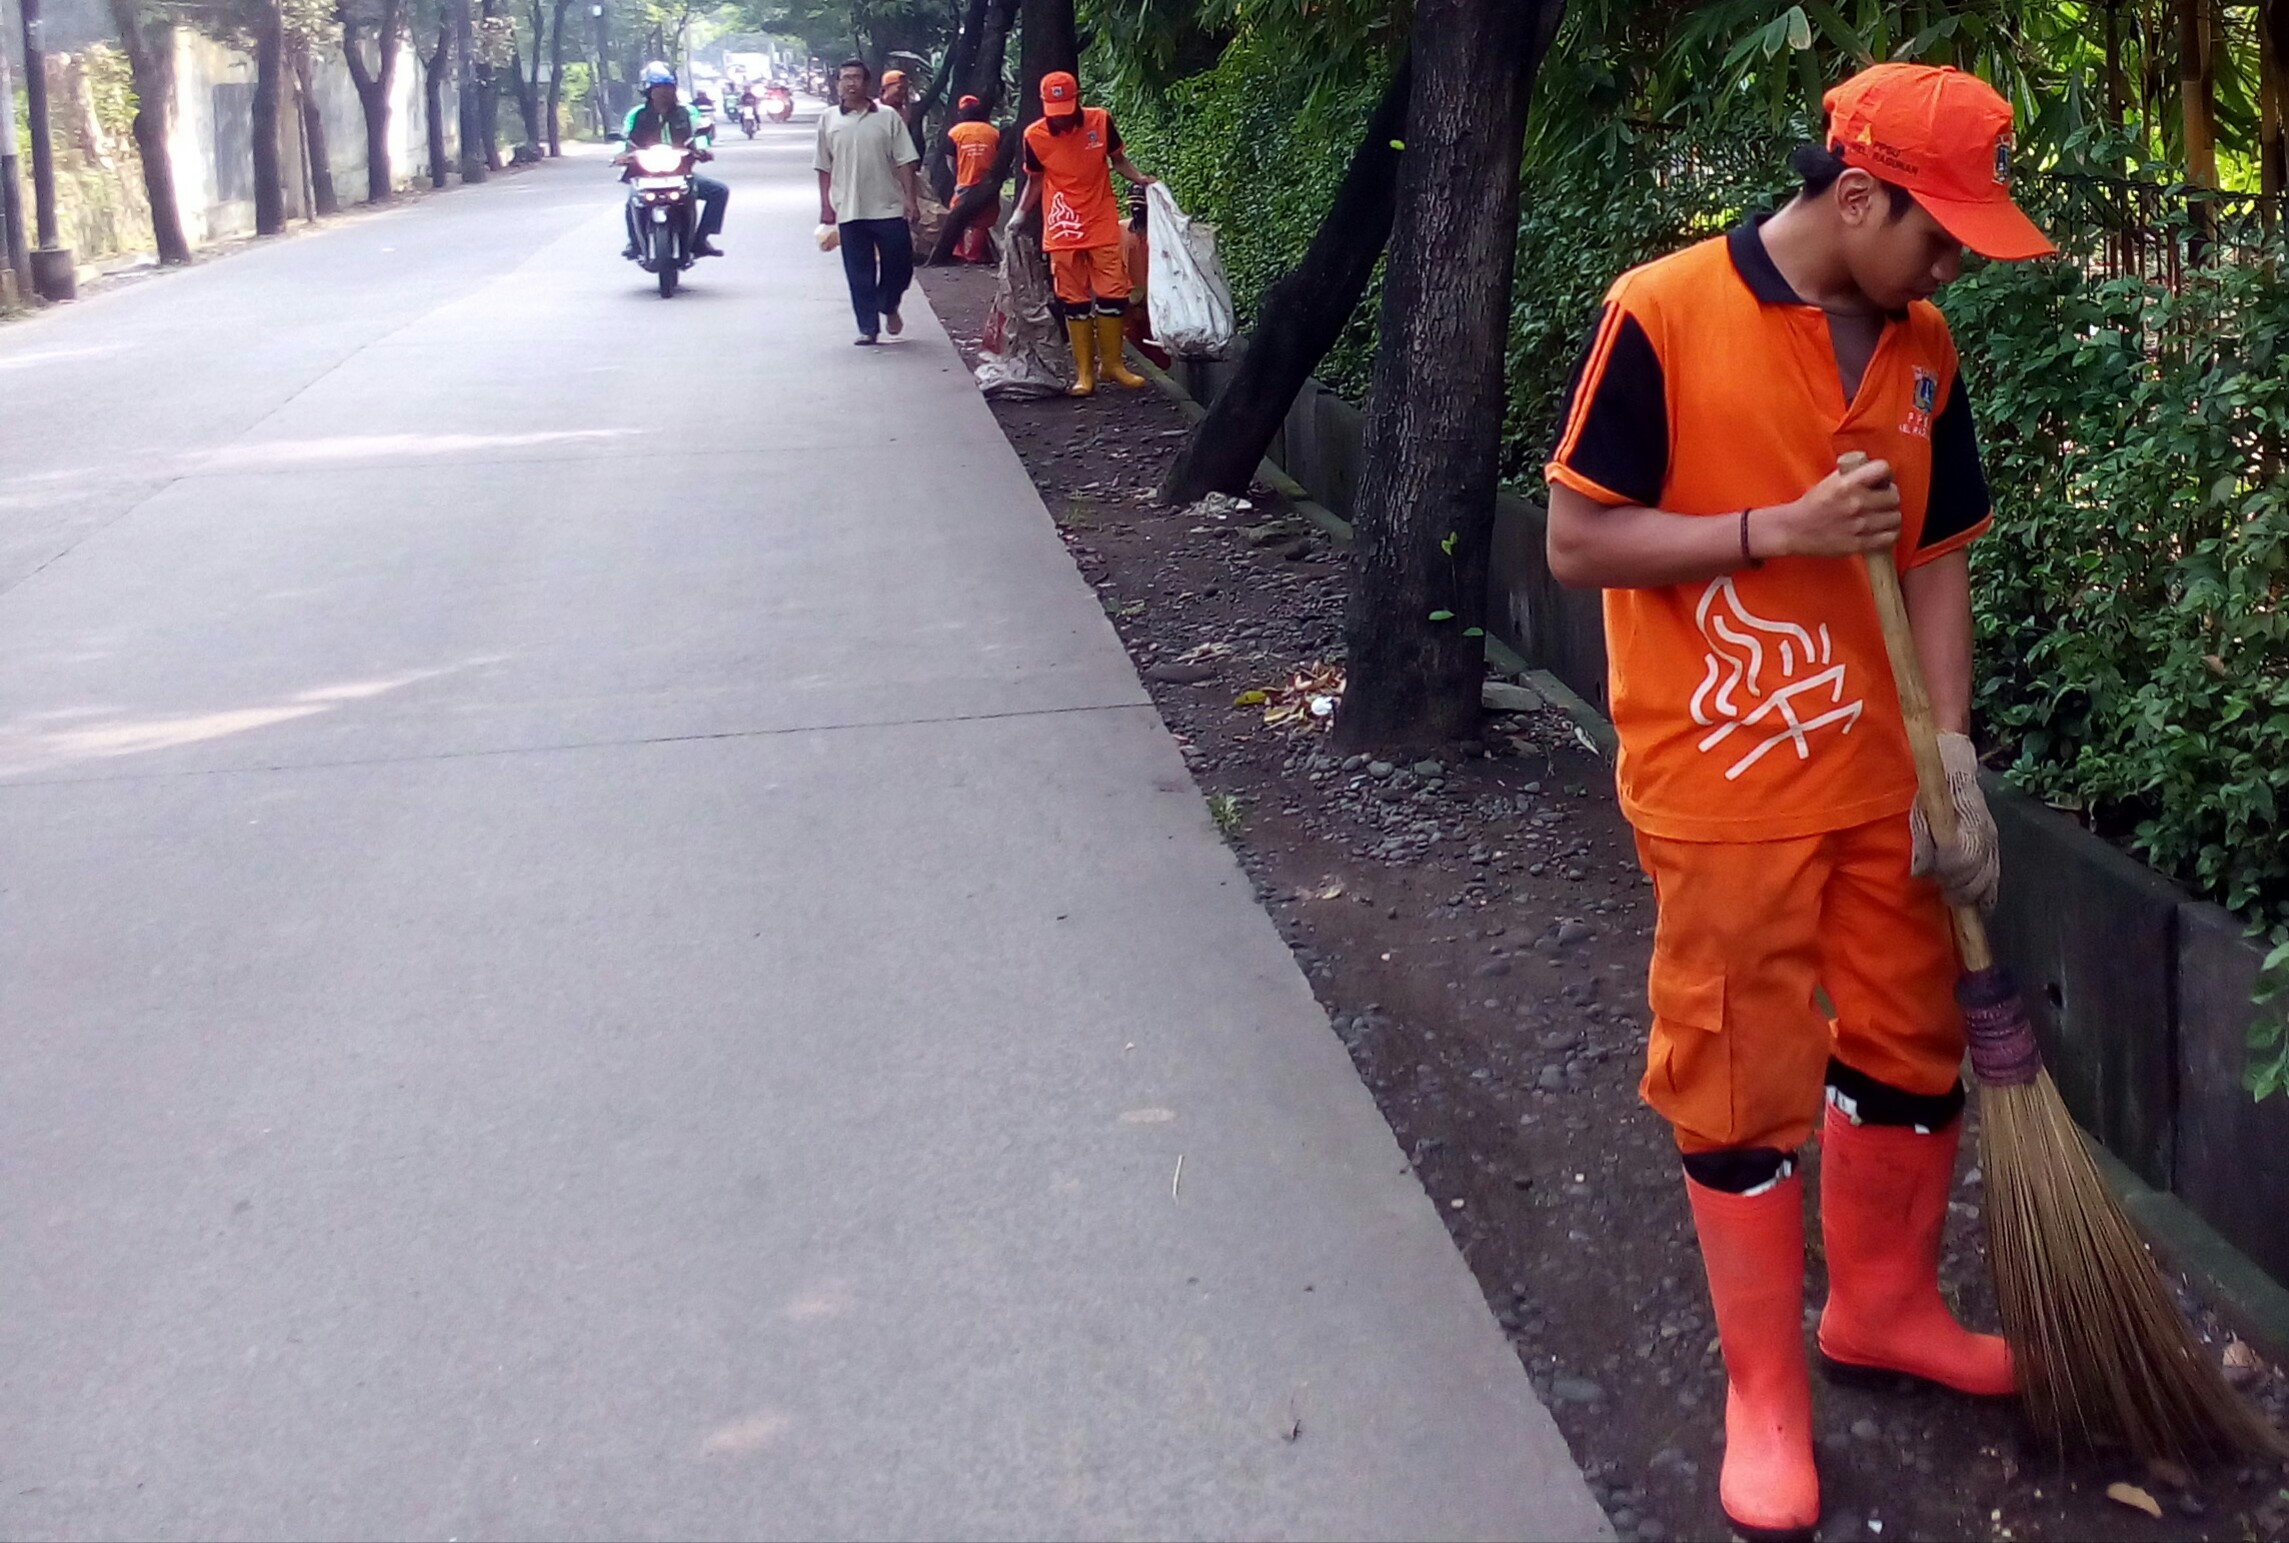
{"x":1753,"y":1249}
{"x":1883,"y":1201}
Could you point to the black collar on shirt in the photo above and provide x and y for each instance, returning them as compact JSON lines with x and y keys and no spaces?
{"x":1755,"y":265}
{"x":1745,"y":243}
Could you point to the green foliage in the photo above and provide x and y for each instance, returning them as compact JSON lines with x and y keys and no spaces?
{"x":111,"y":87}
{"x":2136,"y":660}
{"x":1588,"y":220}
{"x":1622,"y":64}
{"x":2268,"y":1069}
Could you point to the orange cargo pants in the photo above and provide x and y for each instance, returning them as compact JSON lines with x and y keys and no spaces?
{"x":1749,"y":932}
{"x":1086,"y":273}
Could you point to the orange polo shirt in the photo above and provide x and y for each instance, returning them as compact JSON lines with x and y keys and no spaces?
{"x":1075,"y":168}
{"x":975,"y":146}
{"x":1759,"y":706}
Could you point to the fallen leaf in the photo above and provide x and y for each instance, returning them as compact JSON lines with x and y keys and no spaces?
{"x":2135,"y":1498}
{"x":1251,"y":699}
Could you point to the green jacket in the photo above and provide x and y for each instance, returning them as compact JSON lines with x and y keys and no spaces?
{"x":644,"y":127}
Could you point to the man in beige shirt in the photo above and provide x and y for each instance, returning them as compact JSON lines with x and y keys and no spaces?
{"x":867,"y":190}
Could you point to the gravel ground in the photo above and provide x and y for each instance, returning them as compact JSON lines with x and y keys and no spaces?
{"x":1475,"y":923}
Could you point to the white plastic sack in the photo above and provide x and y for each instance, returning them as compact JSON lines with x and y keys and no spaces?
{"x":1027,"y":359}
{"x":1186,"y":295}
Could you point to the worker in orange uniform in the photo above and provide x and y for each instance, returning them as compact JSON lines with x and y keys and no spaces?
{"x":973,"y":144}
{"x":1764,"y":760}
{"x":1070,"y":152}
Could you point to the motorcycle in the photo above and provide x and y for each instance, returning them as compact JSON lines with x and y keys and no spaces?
{"x":749,"y":119}
{"x":780,"y":105}
{"x":663,"y":193}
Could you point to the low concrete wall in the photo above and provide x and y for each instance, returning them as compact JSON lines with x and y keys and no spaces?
{"x":213,"y":139}
{"x":2140,"y":993}
{"x":101,"y":204}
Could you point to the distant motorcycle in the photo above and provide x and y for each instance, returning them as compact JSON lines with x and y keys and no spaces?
{"x":663,"y":197}
{"x":749,"y":119}
{"x":780,"y":104}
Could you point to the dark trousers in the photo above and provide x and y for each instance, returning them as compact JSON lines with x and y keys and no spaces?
{"x":713,"y":197}
{"x":878,"y":259}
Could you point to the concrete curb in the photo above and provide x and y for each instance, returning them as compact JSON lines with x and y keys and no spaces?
{"x":2251,"y":1302}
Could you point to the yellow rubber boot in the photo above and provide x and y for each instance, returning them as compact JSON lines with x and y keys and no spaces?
{"x":1110,"y":338}
{"x":1084,"y":338}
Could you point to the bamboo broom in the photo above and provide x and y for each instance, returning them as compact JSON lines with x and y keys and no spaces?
{"x":2102,"y":1353}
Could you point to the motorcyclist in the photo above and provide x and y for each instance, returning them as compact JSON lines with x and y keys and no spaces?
{"x":660,"y":117}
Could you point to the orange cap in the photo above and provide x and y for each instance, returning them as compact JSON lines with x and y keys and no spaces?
{"x":893,"y":77}
{"x":1060,"y":94}
{"x":1944,"y":136}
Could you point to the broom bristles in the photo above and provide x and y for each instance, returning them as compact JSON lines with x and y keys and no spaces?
{"x":2103,"y":1354}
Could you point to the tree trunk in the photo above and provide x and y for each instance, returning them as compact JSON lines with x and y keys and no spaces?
{"x":939,"y":105}
{"x":986,"y":64}
{"x":2273,"y":95}
{"x":151,"y":62}
{"x":489,"y":89}
{"x":2197,"y":90}
{"x":1301,"y":316}
{"x":1424,"y":511}
{"x":984,"y":200}
{"x":471,"y":77}
{"x":433,"y":67}
{"x":269,"y":86}
{"x":2117,"y":93}
{"x":373,"y":101}
{"x":528,"y":93}
{"x":322,"y":199}
{"x":1050,"y":43}
{"x":556,"y":77}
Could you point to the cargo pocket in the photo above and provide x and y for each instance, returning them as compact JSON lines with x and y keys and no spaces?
{"x":1688,"y":1064}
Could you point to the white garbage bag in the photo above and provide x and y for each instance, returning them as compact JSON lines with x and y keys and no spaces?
{"x":1023,"y":354}
{"x":1186,"y":294}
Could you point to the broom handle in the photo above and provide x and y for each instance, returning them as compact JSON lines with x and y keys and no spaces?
{"x":1922,"y":732}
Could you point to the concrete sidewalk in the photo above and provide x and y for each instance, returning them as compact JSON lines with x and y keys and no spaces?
{"x":600,"y":941}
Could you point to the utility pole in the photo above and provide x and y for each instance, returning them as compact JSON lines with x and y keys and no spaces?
{"x":52,"y":273}
{"x":16,"y":255}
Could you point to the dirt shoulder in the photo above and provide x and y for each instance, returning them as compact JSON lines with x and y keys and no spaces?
{"x":1477,"y":928}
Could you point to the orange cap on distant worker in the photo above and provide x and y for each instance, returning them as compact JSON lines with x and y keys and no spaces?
{"x":893,"y":77}
{"x":1945,"y":136}
{"x":1060,"y":94}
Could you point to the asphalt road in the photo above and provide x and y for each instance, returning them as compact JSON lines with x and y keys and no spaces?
{"x":597,"y":939}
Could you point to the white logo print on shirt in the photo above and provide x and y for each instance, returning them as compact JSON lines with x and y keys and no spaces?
{"x":1743,"y":648}
{"x":1064,"y":220}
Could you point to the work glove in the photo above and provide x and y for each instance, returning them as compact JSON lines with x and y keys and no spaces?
{"x":1968,"y":869}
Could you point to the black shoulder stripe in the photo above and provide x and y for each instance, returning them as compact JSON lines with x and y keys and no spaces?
{"x":1959,"y":497}
{"x":1622,"y":441}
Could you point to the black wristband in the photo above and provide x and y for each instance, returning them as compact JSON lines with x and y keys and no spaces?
{"x":1748,"y":558}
